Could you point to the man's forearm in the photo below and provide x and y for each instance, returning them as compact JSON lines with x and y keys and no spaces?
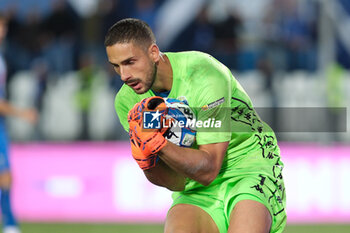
{"x":163,"y":175}
{"x":7,"y":109}
{"x":28,"y":114}
{"x":198,"y":165}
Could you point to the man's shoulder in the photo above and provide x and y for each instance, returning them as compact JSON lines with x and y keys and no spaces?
{"x":196,"y":62}
{"x":190,"y":56}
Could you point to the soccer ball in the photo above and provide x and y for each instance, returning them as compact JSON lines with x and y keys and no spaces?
{"x":182,"y":129}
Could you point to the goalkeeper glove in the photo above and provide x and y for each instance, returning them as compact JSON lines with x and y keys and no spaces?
{"x":146,"y":143}
{"x":147,"y":104}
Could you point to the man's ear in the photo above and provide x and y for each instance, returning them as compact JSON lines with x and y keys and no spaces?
{"x":153,"y":52}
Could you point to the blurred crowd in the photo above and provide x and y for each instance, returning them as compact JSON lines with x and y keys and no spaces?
{"x":268,"y":36}
{"x":279,"y":33}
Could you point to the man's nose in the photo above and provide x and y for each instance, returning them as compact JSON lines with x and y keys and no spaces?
{"x":124,"y":74}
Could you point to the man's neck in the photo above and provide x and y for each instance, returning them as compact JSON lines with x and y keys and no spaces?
{"x":164,"y":78}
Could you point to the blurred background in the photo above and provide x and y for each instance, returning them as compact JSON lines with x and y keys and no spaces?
{"x":291,"y":56}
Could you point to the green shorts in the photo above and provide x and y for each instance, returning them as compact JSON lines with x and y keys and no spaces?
{"x":219,"y":198}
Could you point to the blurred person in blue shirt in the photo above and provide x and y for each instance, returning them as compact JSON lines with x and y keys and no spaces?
{"x":8,"y":110}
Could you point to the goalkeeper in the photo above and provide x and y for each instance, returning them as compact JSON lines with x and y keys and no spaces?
{"x":231,"y":179}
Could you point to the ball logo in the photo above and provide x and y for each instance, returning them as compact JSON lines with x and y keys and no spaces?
{"x":151,"y":120}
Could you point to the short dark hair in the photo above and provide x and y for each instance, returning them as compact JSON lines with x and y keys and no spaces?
{"x":130,"y":30}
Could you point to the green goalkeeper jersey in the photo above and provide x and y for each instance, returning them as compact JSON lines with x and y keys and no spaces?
{"x":216,"y":96}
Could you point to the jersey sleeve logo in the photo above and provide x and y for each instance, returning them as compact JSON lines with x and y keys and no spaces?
{"x":213,"y":104}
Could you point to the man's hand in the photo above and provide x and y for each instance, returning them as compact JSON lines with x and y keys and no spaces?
{"x":147,"y":104}
{"x":29,"y":115}
{"x":146,"y":143}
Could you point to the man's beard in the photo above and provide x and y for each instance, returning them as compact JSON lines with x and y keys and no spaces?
{"x":150,"y":79}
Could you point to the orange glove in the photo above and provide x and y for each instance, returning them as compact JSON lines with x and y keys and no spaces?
{"x":148,"y":104}
{"x":146,"y":143}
